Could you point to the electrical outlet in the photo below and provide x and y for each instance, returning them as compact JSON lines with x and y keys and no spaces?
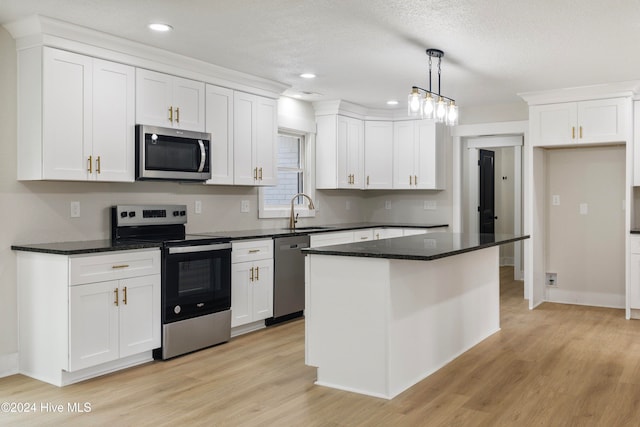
{"x":551,"y":279}
{"x":244,"y":206}
{"x":430,"y":205}
{"x":555,"y":200}
{"x":198,"y":207}
{"x":75,"y":209}
{"x":348,"y":205}
{"x":387,"y":204}
{"x":584,"y":209}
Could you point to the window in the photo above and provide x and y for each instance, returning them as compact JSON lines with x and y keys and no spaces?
{"x":293,"y":178}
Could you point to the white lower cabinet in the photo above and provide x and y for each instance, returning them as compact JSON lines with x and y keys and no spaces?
{"x":634,"y":277}
{"x":362,"y":235}
{"x":333,"y":238}
{"x":85,"y":315}
{"x":386,"y":233}
{"x":251,"y":281}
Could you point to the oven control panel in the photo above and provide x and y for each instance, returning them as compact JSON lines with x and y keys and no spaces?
{"x":139,"y":215}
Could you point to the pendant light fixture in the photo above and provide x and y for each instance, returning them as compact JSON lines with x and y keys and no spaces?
{"x":433,"y":105}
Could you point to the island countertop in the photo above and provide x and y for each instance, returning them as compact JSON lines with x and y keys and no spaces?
{"x":423,"y":247}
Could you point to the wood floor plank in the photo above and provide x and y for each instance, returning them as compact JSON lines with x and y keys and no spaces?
{"x":557,"y":365}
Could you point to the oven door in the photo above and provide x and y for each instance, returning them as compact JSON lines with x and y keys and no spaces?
{"x":196,"y":281}
{"x":172,"y":154}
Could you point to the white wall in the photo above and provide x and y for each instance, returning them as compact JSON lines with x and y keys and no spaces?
{"x":586,"y":251}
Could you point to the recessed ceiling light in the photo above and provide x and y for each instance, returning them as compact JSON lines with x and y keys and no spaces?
{"x":160,"y":27}
{"x":392,"y":102}
{"x":308,"y":76}
{"x":297,"y":95}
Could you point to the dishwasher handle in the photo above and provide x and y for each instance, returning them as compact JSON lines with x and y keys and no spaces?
{"x":295,"y":246}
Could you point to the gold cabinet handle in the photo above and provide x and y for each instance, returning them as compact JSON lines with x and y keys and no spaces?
{"x":255,"y":173}
{"x":377,"y":236}
{"x":120,"y":266}
{"x":580,"y":132}
{"x":410,"y":180}
{"x":90,"y":163}
{"x":257,"y":273}
{"x":171,"y":114}
{"x":251,"y":278}
{"x":98,"y":164}
{"x":363,"y":238}
{"x":367,"y":180}
{"x":260,"y":175}
{"x":253,"y":251}
{"x":573,"y":132}
{"x":115,"y":301}
{"x":178,"y":115}
{"x":124,"y":291}
{"x":415,"y":179}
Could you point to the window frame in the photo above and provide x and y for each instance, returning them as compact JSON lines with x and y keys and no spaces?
{"x":308,"y":177}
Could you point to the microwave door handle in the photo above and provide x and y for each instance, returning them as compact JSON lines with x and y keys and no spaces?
{"x":203,"y":155}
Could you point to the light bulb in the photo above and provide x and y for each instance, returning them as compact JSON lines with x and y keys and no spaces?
{"x":441,"y":110}
{"x":428,"y":106}
{"x":414,"y":102}
{"x":452,"y":114}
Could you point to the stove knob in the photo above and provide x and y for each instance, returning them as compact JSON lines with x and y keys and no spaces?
{"x":177,"y":309}
{"x":176,"y":213}
{"x":132,"y":214}
{"x":123,"y":214}
{"x":183,"y":213}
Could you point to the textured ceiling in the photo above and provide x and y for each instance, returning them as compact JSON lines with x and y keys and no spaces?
{"x":370,"y":51}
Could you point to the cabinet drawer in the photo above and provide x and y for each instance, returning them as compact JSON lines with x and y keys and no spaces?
{"x":113,"y":266}
{"x":634,"y":244}
{"x":362,"y":235}
{"x":251,"y":250}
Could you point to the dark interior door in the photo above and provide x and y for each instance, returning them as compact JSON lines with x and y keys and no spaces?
{"x":487,"y":192}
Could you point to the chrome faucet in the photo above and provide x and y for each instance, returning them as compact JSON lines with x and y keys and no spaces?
{"x":293,"y":219}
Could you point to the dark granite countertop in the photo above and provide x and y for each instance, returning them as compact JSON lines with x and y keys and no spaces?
{"x":82,"y":247}
{"x":422,"y":247}
{"x":93,"y":246}
{"x":284,"y":232}
{"x":635,"y":231}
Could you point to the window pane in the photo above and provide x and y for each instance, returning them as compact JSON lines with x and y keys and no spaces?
{"x":290,"y":172}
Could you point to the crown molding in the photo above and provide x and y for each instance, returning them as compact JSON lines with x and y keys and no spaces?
{"x":628,"y":89}
{"x":36,"y":31}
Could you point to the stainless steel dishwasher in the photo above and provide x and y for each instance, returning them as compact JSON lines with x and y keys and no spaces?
{"x":288,"y":277}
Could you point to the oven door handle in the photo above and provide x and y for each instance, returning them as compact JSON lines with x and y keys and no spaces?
{"x":203,"y":155}
{"x":199,"y":248}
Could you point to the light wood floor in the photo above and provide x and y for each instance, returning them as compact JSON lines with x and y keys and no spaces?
{"x":558,"y":365}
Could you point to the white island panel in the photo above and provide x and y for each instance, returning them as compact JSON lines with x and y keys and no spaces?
{"x":378,"y":326}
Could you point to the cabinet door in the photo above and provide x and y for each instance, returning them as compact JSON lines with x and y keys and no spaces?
{"x":602,"y":121}
{"x":386,"y":233}
{"x":113,"y":121}
{"x":413,"y":231}
{"x":241,"y":274}
{"x":362,"y":235}
{"x":188,"y":104}
{"x":67,"y":132}
{"x":554,"y":124}
{"x":219,"y":123}
{"x":140,"y":322}
{"x":154,"y":92}
{"x":244,"y":171}
{"x":262,"y":290}
{"x":378,"y":155}
{"x":403,"y":154}
{"x":350,"y":152}
{"x":326,"y":239}
{"x":266,"y":132}
{"x":93,"y":324}
{"x":426,"y":159}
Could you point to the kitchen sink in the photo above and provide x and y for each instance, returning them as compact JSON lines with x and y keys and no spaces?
{"x":311,"y":227}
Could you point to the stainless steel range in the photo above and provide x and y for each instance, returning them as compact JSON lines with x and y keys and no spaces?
{"x":196,"y":276}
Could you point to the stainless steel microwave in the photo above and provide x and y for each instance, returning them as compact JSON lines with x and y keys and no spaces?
{"x":172,"y":154}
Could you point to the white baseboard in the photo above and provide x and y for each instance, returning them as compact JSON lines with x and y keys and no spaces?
{"x":8,"y":364}
{"x":596,"y":299}
{"x":506,"y":261}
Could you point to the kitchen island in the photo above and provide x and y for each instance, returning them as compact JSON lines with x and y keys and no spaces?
{"x":382,"y":315}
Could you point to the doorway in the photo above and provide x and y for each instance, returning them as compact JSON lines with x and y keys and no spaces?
{"x":487,"y":192}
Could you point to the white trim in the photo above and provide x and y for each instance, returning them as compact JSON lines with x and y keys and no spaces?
{"x":582,"y":93}
{"x":596,"y":299}
{"x":8,"y":364}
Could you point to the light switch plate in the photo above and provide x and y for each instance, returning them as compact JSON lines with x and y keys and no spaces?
{"x":430,"y":205}
{"x":555,"y":200}
{"x":387,"y":204}
{"x":244,"y":206}
{"x":198,"y":207}
{"x":584,"y":209}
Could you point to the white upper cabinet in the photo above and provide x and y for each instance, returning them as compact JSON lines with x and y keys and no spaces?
{"x":339,"y":152}
{"x":585,"y":122}
{"x":378,"y":155}
{"x":418,"y":155}
{"x":255,"y":130}
{"x":76,"y":117}
{"x":169,"y":101}
{"x":219,"y":123}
